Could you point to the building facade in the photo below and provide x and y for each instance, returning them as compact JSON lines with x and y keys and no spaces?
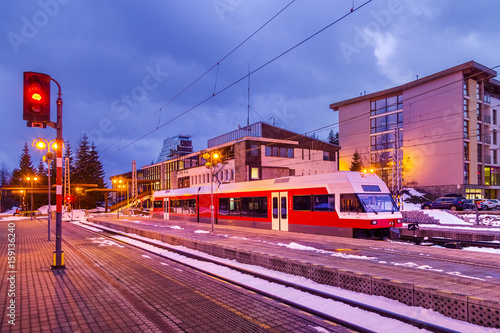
{"x":442,"y":129}
{"x":175,"y":147}
{"x":259,"y":151}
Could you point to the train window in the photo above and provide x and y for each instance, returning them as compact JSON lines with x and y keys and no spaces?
{"x":234,"y":206}
{"x":260,"y":207}
{"x":301,"y":202}
{"x":189,"y":206}
{"x":370,"y":188}
{"x":247,"y":206}
{"x":224,"y":206}
{"x":158,"y":204}
{"x":350,"y":203}
{"x":283,"y":208}
{"x":176,"y":206}
{"x":324,"y":202}
{"x":275,"y":208}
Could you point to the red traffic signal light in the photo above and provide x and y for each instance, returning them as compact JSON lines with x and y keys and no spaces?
{"x":36,"y":98}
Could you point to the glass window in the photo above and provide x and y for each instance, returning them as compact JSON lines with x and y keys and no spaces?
{"x":370,"y":188}
{"x":224,"y":206}
{"x":324,"y":202}
{"x":466,"y":151}
{"x":326,"y":156}
{"x":289,"y":153}
{"x":275,"y":151}
{"x":350,"y":203}
{"x":254,"y":150}
{"x":247,"y":206}
{"x":283,"y":208}
{"x":254,"y":173}
{"x":268,"y":151}
{"x":176,"y":206}
{"x":282,"y":152}
{"x":275,"y":208}
{"x":466,"y":129}
{"x":302,"y":202}
{"x":234,"y":206}
{"x":377,"y":203}
{"x":380,"y":106}
{"x":392,"y":104}
{"x":156,"y":203}
{"x":260,"y":207}
{"x":466,"y":173}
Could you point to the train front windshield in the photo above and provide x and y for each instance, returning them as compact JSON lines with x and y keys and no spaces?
{"x":377,"y":203}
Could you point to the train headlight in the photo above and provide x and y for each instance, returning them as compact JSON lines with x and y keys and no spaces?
{"x":399,"y":221}
{"x":373,"y":222}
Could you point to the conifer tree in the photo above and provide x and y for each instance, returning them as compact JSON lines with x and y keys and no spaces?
{"x":82,"y":173}
{"x":356,"y":164}
{"x":25,"y":168}
{"x":333,"y":138}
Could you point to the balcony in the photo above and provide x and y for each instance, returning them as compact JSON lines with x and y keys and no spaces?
{"x":487,"y":119}
{"x":487,"y":139}
{"x":487,"y":159}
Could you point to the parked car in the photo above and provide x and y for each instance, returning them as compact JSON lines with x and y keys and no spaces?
{"x":491,"y":204}
{"x":452,"y":203}
{"x":471,"y":204}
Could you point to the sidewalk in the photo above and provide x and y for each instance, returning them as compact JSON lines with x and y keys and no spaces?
{"x":34,"y":298}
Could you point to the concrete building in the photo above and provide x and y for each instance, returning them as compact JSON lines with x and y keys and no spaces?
{"x":259,"y":151}
{"x":448,"y":125}
{"x":175,"y":147}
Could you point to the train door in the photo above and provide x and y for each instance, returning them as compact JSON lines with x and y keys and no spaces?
{"x":279,"y":205}
{"x":166,"y":203}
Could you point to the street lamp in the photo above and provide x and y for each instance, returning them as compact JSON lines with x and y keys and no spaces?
{"x":121,"y":187}
{"x":51,"y":146}
{"x":21,"y":199}
{"x":31,"y":179}
{"x":212,"y":159}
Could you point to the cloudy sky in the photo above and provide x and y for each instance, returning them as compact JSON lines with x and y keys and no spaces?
{"x":136,"y":72}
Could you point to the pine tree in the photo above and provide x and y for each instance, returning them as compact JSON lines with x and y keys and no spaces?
{"x":333,"y":138}
{"x":25,"y":168}
{"x":356,"y":164}
{"x":6,"y":201}
{"x":97,"y":171}
{"x":82,"y":173}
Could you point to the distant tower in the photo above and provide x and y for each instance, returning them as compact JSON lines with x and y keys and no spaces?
{"x":135,"y":193}
{"x":175,"y":147}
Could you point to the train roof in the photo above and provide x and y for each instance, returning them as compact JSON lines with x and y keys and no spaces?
{"x":347,"y":181}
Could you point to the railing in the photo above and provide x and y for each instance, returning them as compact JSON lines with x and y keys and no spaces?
{"x":487,"y":119}
{"x":487,"y":139}
{"x":487,"y":159}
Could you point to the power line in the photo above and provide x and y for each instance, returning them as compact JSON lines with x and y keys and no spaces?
{"x":202,"y":75}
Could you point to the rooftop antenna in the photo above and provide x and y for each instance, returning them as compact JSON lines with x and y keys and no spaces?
{"x":248,"y":111}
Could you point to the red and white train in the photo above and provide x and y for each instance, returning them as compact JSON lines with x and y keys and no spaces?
{"x":343,"y":203}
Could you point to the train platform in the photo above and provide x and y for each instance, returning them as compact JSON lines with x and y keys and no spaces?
{"x":108,"y":287}
{"x":460,"y":284}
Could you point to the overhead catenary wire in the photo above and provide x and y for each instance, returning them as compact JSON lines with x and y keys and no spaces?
{"x":242,"y":78}
{"x":202,"y":75}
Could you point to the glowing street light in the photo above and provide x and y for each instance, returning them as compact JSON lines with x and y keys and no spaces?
{"x":51,"y":146}
{"x":31,"y":179}
{"x":212,"y":159}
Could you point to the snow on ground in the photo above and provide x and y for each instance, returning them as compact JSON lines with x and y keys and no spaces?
{"x":340,"y":310}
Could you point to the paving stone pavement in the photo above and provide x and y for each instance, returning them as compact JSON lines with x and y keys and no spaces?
{"x":108,"y":287}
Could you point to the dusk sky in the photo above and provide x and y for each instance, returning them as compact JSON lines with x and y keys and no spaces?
{"x":122,"y":64}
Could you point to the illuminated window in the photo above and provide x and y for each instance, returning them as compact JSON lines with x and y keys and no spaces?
{"x":254,"y":173}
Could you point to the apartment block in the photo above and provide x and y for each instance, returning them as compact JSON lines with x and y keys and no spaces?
{"x":444,"y":127}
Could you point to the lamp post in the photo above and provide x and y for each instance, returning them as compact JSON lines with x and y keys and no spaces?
{"x":212,"y":159}
{"x":51,"y":146}
{"x":31,"y":179}
{"x":21,"y":199}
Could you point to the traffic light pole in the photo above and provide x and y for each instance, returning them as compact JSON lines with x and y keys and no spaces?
{"x":58,"y":253}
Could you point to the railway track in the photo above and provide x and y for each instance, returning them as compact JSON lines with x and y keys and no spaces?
{"x":449,"y":243}
{"x":118,"y":236}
